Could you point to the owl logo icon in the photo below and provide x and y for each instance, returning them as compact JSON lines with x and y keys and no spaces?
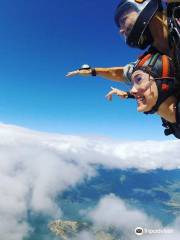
{"x":139,"y":231}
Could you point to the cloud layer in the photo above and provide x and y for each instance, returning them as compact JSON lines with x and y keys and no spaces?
{"x":111,"y":211}
{"x":35,"y":167}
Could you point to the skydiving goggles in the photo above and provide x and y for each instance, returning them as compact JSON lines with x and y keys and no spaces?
{"x":142,"y":81}
{"x":150,"y":70}
{"x":126,"y":22}
{"x":125,"y":9}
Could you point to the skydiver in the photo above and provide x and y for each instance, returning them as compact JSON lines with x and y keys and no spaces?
{"x":146,"y":23}
{"x":143,"y":24}
{"x":154,"y":90}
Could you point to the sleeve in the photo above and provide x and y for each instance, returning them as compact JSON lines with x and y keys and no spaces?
{"x":127,"y":72}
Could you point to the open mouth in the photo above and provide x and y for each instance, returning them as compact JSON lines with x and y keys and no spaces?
{"x":140,"y":100}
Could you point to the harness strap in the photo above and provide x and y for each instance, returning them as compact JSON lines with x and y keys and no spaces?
{"x":165,"y":66}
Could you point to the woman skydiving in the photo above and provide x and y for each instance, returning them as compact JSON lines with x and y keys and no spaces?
{"x":154,"y":90}
{"x":155,"y":77}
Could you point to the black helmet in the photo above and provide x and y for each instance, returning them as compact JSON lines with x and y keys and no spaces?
{"x":139,"y":35}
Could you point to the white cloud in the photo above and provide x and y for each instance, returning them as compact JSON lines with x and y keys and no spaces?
{"x":35,"y":167}
{"x":112,"y":211}
{"x":32,"y":173}
{"x":85,"y":235}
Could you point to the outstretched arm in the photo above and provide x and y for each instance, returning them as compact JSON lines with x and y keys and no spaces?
{"x":113,"y":73}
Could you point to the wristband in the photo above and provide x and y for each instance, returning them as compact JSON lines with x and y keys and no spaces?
{"x":93,"y":72}
{"x":129,"y":95}
{"x":87,"y":67}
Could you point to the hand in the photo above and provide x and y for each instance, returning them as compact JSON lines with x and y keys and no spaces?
{"x":117,"y":92}
{"x":81,"y":72}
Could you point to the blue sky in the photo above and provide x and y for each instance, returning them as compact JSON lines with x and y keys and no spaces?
{"x":41,"y":40}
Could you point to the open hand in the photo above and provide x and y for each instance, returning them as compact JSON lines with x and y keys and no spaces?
{"x":81,"y":72}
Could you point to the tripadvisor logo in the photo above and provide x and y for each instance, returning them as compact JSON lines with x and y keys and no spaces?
{"x":139,"y":231}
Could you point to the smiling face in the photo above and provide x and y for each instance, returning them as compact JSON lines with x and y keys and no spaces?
{"x":144,"y":90}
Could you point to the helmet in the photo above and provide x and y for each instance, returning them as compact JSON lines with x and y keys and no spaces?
{"x":161,"y":68}
{"x":138,"y":35}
